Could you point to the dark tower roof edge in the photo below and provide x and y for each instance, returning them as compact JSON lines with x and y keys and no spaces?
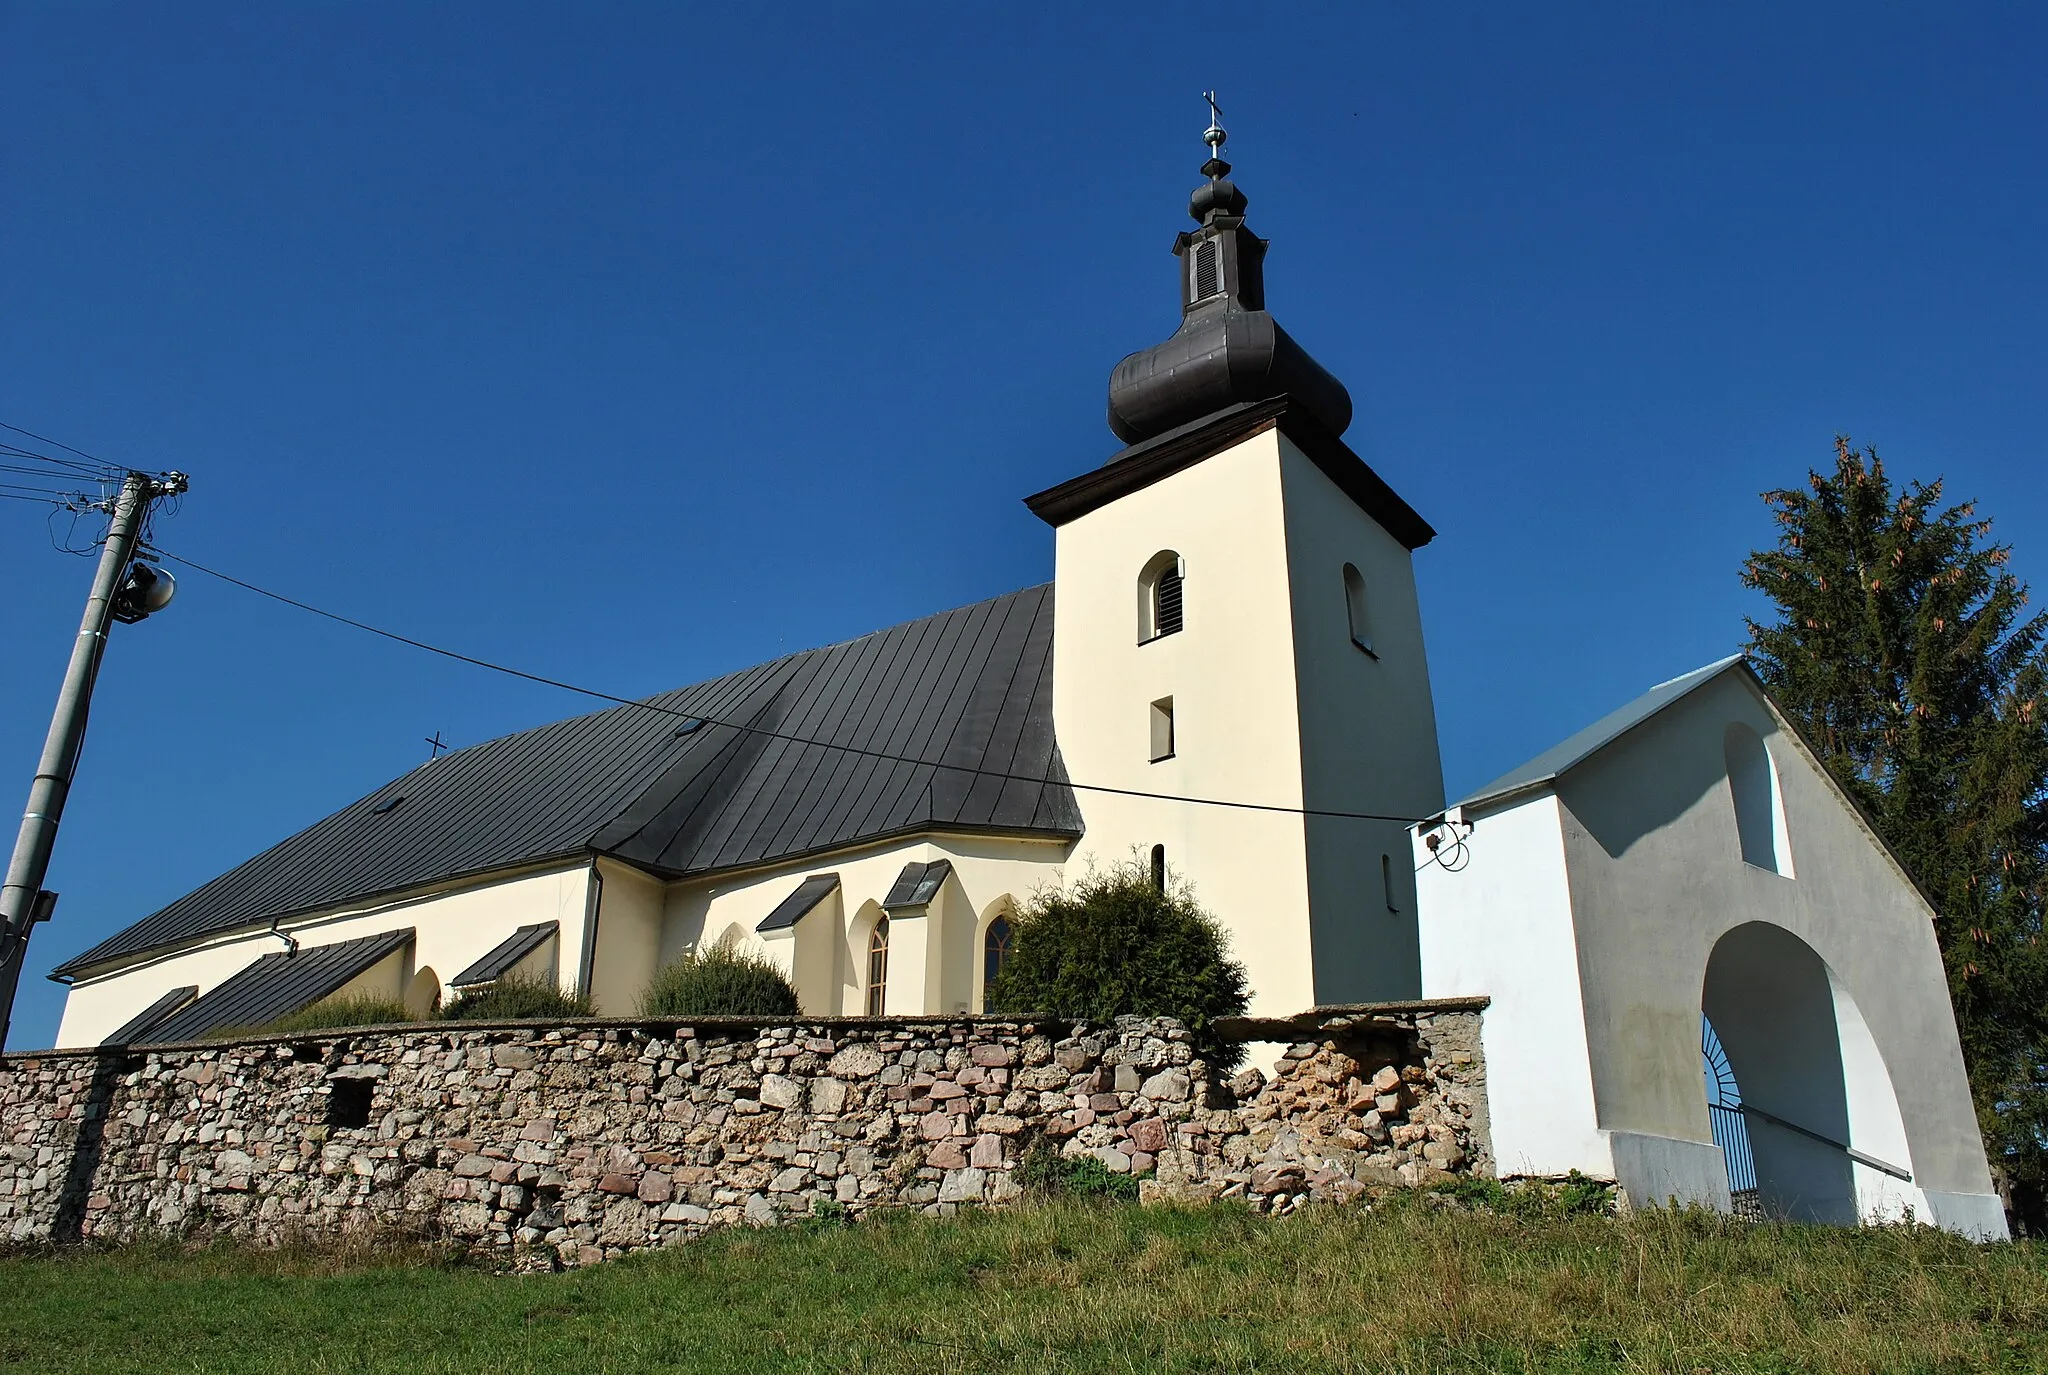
{"x":1228,"y":349}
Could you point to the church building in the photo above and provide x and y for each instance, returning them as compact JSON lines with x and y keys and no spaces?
{"x":1232,"y":620}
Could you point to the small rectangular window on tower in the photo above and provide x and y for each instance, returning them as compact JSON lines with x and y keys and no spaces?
{"x":1162,"y":729}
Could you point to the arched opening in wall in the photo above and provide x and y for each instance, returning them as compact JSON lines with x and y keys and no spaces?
{"x":423,"y":993}
{"x":1161,"y":595}
{"x":998,"y":934}
{"x":1758,"y":799}
{"x":877,"y":981}
{"x":734,"y":937}
{"x":1798,"y":1096}
{"x":1158,"y":868}
{"x":1356,"y":610}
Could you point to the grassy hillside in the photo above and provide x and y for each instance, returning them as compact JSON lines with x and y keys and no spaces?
{"x":1073,"y":1287}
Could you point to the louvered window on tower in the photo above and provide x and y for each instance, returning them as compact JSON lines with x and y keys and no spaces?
{"x":1169,"y":601}
{"x":1160,"y":602}
{"x":1206,"y":279}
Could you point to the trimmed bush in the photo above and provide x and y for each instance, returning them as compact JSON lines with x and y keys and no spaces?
{"x":360,"y":1010}
{"x":1112,"y":945}
{"x":720,"y":982}
{"x":513,"y":997}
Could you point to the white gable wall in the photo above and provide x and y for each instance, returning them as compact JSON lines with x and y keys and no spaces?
{"x":1657,"y":879}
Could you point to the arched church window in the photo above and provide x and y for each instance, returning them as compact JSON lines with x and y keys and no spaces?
{"x":995,"y":948}
{"x":1759,"y":800}
{"x":1160,"y":596}
{"x":878,"y":965}
{"x":1355,"y":608}
{"x":1159,"y":868}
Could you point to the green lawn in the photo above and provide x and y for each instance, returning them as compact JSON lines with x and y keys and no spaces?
{"x":1070,"y":1288}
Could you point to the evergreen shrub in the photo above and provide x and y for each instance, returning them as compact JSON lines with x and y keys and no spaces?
{"x":516,"y":996}
{"x":361,"y":1010}
{"x":720,"y":982}
{"x":1113,"y":945}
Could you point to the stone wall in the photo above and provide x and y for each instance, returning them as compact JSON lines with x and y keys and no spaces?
{"x":568,"y":1143}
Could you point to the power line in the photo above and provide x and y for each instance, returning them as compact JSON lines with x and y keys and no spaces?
{"x":856,"y":750}
{"x":45,"y":439}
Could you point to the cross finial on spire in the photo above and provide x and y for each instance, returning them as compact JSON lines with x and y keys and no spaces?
{"x":1215,"y":137}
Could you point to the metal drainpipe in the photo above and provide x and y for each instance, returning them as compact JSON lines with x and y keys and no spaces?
{"x":593,"y":905}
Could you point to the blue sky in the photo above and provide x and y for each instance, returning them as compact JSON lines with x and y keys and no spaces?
{"x":633,"y":344}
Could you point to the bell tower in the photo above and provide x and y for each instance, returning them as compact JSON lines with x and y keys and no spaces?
{"x":1237,"y":644}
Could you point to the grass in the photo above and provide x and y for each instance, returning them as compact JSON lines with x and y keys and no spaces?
{"x":1067,"y":1286}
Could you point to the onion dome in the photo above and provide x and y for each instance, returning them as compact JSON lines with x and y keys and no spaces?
{"x":1228,"y":349}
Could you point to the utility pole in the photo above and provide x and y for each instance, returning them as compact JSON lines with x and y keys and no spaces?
{"x":121,"y":590}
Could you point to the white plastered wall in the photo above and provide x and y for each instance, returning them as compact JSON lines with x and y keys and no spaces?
{"x":1656,"y":879}
{"x":1501,"y":927}
{"x":454,"y":925}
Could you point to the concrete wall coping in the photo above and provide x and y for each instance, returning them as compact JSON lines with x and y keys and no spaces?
{"x":1235,"y":1028}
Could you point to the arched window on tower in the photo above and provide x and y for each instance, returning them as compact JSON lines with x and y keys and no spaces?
{"x":1355,"y":607}
{"x":1759,"y":800}
{"x":878,"y":965}
{"x":1159,"y":868}
{"x":1160,"y":587}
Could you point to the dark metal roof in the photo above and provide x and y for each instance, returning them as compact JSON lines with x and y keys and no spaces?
{"x":793,"y":908}
{"x":1228,"y":349}
{"x":1148,"y":461}
{"x":1574,"y":749}
{"x":918,"y":884}
{"x":969,"y":692}
{"x":143,"y":1022}
{"x":281,"y":982}
{"x":506,"y":953}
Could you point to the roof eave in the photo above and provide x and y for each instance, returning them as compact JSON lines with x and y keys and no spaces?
{"x":1151,"y":460}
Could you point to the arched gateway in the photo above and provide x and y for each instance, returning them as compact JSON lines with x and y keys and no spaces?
{"x":1818,"y":1115}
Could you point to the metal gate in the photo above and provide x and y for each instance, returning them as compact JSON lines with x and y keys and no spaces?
{"x":1725,"y":1120}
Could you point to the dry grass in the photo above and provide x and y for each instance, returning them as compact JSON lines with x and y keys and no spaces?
{"x":1407,"y":1288}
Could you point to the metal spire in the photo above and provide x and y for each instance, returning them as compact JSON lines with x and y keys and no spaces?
{"x":1215,"y":136}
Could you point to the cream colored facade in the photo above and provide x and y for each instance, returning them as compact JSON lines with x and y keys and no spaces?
{"x":453,"y":924}
{"x":1273,"y":703}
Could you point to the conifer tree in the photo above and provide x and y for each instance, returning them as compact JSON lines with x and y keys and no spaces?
{"x":1903,"y":648}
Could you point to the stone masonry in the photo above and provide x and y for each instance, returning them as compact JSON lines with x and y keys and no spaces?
{"x":563,"y":1144}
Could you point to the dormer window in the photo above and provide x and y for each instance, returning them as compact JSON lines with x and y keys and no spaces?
{"x":1205,"y":270}
{"x":1160,"y":588}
